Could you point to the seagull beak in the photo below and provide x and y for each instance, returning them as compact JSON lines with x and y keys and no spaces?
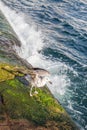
{"x":50,"y":82}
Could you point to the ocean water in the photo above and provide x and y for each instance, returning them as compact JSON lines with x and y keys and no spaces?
{"x":53,"y":34}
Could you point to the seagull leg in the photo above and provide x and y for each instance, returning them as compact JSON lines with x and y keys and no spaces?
{"x":31,"y":90}
{"x":35,"y":91}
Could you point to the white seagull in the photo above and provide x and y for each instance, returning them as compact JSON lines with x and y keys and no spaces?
{"x":39,"y":79}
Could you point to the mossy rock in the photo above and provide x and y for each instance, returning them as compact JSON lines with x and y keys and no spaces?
{"x":41,"y":109}
{"x":5,"y":75}
{"x":7,"y":72}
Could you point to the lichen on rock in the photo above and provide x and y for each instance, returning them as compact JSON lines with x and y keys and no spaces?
{"x":8,"y":71}
{"x":5,"y":75}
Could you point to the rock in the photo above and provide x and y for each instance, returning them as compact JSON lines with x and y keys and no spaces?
{"x":8,"y":41}
{"x":42,"y":109}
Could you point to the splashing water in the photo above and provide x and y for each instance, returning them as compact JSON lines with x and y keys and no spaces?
{"x":29,"y":36}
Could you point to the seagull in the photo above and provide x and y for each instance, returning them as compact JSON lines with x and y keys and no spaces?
{"x":39,"y":79}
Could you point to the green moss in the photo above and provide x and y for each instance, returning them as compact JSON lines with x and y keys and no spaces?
{"x":19,"y":104}
{"x":40,"y":109}
{"x":14,"y":83}
{"x":47,"y":100}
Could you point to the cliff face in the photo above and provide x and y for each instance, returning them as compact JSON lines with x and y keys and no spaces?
{"x":19,"y":111}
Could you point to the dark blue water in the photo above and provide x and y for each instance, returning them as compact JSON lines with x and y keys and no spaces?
{"x":61,"y":46}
